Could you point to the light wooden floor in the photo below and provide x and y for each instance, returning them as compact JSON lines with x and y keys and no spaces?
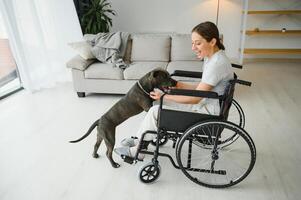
{"x":37,"y":162}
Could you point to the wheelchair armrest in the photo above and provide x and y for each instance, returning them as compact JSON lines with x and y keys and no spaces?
{"x":189,"y":74}
{"x":193,"y":74}
{"x":193,"y":93}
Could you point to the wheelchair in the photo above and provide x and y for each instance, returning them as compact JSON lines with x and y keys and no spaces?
{"x":211,"y":150}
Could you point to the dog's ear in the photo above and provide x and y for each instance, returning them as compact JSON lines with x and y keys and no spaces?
{"x":155,"y":73}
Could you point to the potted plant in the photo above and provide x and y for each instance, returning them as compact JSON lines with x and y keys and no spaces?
{"x":96,"y":16}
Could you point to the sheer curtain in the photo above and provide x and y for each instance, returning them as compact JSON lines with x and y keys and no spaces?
{"x":39,"y":31}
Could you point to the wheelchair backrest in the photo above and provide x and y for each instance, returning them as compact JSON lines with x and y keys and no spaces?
{"x":226,"y":98}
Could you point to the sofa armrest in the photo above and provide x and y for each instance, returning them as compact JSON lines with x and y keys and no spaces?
{"x":77,"y":62}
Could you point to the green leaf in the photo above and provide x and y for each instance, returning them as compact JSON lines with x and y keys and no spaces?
{"x":96,"y":16}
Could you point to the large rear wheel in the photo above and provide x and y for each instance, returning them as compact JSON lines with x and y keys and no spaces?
{"x":217,"y":165}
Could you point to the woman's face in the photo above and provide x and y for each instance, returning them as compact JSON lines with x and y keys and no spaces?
{"x":201,"y":47}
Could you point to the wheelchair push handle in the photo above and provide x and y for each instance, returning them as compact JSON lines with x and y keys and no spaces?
{"x":236,"y":66}
{"x":242,"y":82}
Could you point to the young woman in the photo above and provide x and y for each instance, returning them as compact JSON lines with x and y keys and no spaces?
{"x":217,"y":71}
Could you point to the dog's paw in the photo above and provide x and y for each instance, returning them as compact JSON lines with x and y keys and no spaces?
{"x":115,"y":165}
{"x":95,"y":155}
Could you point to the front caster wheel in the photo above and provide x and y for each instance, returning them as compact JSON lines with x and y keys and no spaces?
{"x":149,"y":172}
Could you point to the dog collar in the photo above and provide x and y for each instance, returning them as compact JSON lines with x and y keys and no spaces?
{"x":139,"y":84}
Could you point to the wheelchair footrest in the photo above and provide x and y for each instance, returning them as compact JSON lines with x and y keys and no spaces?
{"x":127,"y":159}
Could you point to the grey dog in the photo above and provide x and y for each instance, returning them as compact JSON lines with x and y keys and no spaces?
{"x":134,"y":102}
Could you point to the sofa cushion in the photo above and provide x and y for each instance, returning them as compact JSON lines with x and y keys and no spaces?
{"x":103,"y":71}
{"x":186,"y":66}
{"x":181,"y":48}
{"x":77,"y":62}
{"x":150,"y":47}
{"x":138,"y":69}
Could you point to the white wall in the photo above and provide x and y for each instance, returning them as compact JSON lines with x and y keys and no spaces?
{"x":182,"y":15}
{"x":179,"y":16}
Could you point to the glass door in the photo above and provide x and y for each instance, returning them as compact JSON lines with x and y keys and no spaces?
{"x":9,"y":78}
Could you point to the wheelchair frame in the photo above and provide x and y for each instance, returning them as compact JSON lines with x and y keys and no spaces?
{"x":179,"y":134}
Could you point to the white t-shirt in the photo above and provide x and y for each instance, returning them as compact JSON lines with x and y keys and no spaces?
{"x":217,"y":71}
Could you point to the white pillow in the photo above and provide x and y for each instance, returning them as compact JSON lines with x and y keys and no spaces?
{"x":83,"y":48}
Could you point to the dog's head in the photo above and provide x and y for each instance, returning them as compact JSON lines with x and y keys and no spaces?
{"x":159,"y":78}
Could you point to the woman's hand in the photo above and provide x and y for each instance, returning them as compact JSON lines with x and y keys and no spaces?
{"x":155,"y":94}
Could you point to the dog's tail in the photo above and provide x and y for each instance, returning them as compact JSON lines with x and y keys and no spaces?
{"x":88,"y":132}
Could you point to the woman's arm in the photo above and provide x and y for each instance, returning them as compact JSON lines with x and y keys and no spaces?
{"x":187,"y":86}
{"x":183,"y":99}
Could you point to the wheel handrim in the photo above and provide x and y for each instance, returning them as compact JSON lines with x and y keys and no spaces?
{"x":236,"y":116}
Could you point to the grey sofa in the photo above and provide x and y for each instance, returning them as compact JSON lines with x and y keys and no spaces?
{"x":144,"y":52}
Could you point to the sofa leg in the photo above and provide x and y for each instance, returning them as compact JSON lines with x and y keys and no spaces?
{"x":81,"y":94}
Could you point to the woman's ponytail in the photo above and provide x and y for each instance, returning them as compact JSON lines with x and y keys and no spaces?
{"x":220,"y":44}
